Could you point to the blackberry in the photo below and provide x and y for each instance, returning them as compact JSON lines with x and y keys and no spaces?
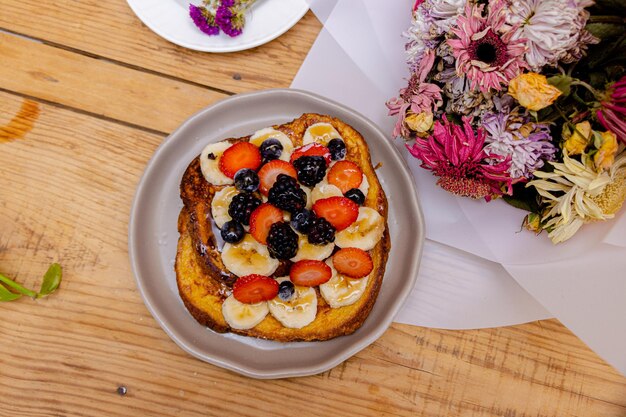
{"x":286,"y":194}
{"x":282,"y":241}
{"x":310,"y":169}
{"x":271,"y":149}
{"x":337,"y":149}
{"x":321,"y":232}
{"x":241,"y":206}
{"x":355,"y":195}
{"x":301,"y":221}
{"x":247,"y":179}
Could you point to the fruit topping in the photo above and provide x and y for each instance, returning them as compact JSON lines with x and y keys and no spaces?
{"x":261,"y":219}
{"x":312,"y":149}
{"x":308,"y":273}
{"x":242,"y":205}
{"x":254,"y":288}
{"x":286,"y":289}
{"x":301,"y":220}
{"x":286,"y":194}
{"x":345,"y":175}
{"x":232,"y":231}
{"x":356,"y":195}
{"x":240,"y":155}
{"x":341,"y":212}
{"x":337,"y":149}
{"x":353,"y":262}
{"x":247,"y":180}
{"x":310,"y":169}
{"x":270,"y":171}
{"x":282,"y":241}
{"x":271,"y":149}
{"x":321,"y":232}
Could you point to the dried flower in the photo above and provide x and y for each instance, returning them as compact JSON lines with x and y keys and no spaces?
{"x":604,"y":158}
{"x":553,"y":30}
{"x":456,"y":155}
{"x":533,"y":91}
{"x":419,"y":123}
{"x":204,"y":20}
{"x":487,"y":58}
{"x":577,"y":141}
{"x":527,"y":144}
{"x":612,"y":113}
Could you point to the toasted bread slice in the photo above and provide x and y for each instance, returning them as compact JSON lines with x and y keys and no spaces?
{"x":204,"y":282}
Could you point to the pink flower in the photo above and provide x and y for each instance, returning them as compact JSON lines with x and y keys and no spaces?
{"x":612,"y":114}
{"x":486,"y":57}
{"x":456,"y":154}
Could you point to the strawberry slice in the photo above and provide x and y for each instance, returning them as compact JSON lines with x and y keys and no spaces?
{"x":308,"y":273}
{"x":240,"y":155}
{"x":261,"y":219}
{"x":345,"y":175}
{"x":312,"y":149}
{"x":270,"y":171}
{"x":353,"y":262}
{"x":341,"y":212}
{"x":255,"y":288}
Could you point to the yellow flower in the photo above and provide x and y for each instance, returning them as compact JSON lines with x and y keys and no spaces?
{"x":419,"y":123}
{"x":603,"y":159}
{"x":577,"y":141}
{"x":533,"y":91}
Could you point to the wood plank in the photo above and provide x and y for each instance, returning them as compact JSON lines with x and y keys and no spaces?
{"x":98,"y":86}
{"x":109,"y":29}
{"x":66,"y":355}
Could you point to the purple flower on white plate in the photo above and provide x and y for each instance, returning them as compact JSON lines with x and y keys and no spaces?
{"x":204,"y":20}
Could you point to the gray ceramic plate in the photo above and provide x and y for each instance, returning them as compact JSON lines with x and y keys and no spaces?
{"x":153,"y":236}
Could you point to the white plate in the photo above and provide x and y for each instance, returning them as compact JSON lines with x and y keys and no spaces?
{"x":266,"y":20}
{"x":153,"y":236}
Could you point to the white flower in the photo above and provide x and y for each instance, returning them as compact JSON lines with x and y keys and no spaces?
{"x":581,"y":194}
{"x":554,"y":29}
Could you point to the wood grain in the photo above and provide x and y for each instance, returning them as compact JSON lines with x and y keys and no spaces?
{"x":99,"y":87}
{"x":82,"y":109}
{"x":109,"y":29}
{"x":66,"y":355}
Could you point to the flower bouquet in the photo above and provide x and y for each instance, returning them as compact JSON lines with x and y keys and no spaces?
{"x":520,"y":99}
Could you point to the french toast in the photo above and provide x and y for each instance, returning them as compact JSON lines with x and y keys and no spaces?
{"x":209,"y":279}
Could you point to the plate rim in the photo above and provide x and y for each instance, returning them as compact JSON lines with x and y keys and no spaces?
{"x":245,"y":369}
{"x":220,"y":50}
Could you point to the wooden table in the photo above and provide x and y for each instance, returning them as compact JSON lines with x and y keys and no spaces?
{"x":87,"y":93}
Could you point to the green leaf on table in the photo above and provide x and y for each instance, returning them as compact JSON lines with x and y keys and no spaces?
{"x":6,"y":295}
{"x":562,"y":82}
{"x":51,"y":280}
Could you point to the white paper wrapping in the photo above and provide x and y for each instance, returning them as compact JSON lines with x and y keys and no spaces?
{"x":358,"y":60}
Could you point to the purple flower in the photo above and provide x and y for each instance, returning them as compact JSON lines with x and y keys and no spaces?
{"x":528,"y":144}
{"x":231,"y":23}
{"x":202,"y":19}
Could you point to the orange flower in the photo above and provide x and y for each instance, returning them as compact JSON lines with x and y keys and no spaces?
{"x":533,"y":91}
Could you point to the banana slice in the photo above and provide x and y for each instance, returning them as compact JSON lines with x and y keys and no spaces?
{"x":310,"y":251}
{"x":248,"y":257}
{"x":321,"y":133}
{"x":243,"y":316}
{"x":299,"y":311}
{"x":210,"y":163}
{"x":220,"y":203}
{"x":341,"y":290}
{"x":365,"y":186}
{"x":261,"y":135}
{"x":325,"y":190}
{"x":364,"y":233}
